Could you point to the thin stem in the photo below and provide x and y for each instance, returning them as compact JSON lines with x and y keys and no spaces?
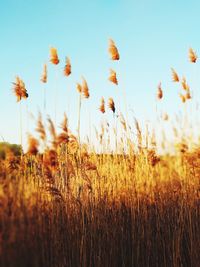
{"x":44,"y":104}
{"x":20,"y":115}
{"x":115,"y":123}
{"x":79,"y":124}
{"x":27,"y":116}
{"x":56,"y":95}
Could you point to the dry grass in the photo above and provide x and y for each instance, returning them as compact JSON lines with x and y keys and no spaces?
{"x":110,"y":210}
{"x":65,"y":205}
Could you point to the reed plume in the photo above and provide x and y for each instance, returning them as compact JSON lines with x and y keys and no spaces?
{"x":113,"y":77}
{"x":20,"y":89}
{"x":185,"y":85}
{"x":40,"y":128}
{"x":175,"y":77}
{"x":79,"y":88}
{"x":102,"y":105}
{"x":53,"y":133}
{"x":113,"y":50}
{"x":85,"y":89}
{"x":159,"y":92}
{"x":188,"y":95}
{"x":183,"y":98}
{"x":44,"y":74}
{"x":192,"y":56}
{"x":54,"y":56}
{"x":63,"y":137}
{"x":20,"y":92}
{"x":33,"y":145}
{"x":64,"y":124}
{"x":139,"y":134}
{"x":122,"y":121}
{"x":67,"y":68}
{"x":111,"y":104}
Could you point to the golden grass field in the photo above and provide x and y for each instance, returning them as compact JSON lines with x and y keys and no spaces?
{"x":64,"y":205}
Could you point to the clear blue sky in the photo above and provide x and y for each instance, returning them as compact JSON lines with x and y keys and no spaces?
{"x":152,"y":36}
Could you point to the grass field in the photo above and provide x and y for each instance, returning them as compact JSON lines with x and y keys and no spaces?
{"x":63,"y":204}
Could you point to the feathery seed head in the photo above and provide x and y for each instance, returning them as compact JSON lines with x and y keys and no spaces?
{"x":159,"y":92}
{"x":53,"y":133}
{"x":192,"y":56}
{"x":64,"y":124}
{"x":188,"y":95}
{"x":67,"y":68}
{"x":102,"y":105}
{"x":40,"y":128}
{"x":54,"y":56}
{"x":111,"y":104}
{"x":85,"y":90}
{"x":175,"y":77}
{"x":113,"y":50}
{"x":113,"y":77}
{"x":185,"y":85}
{"x":122,"y":121}
{"x":20,"y":89}
{"x":64,"y":136}
{"x":183,"y":98}
{"x":33,"y":145}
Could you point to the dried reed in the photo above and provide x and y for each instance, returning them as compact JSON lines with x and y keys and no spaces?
{"x":113,"y":50}
{"x":113,"y":77}
{"x":54,"y":56}
{"x":67,"y":68}
{"x":192,"y":55}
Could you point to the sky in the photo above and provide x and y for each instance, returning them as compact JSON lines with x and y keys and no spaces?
{"x":151,"y":36}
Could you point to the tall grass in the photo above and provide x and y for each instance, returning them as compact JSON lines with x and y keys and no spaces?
{"x":62,"y":204}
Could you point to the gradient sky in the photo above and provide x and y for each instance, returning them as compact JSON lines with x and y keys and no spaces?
{"x":152,"y":36}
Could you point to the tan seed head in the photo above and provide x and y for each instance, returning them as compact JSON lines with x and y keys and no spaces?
{"x":113,"y":50}
{"x":54,"y":56}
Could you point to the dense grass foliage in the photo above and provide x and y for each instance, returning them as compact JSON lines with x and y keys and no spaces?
{"x":100,"y":210}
